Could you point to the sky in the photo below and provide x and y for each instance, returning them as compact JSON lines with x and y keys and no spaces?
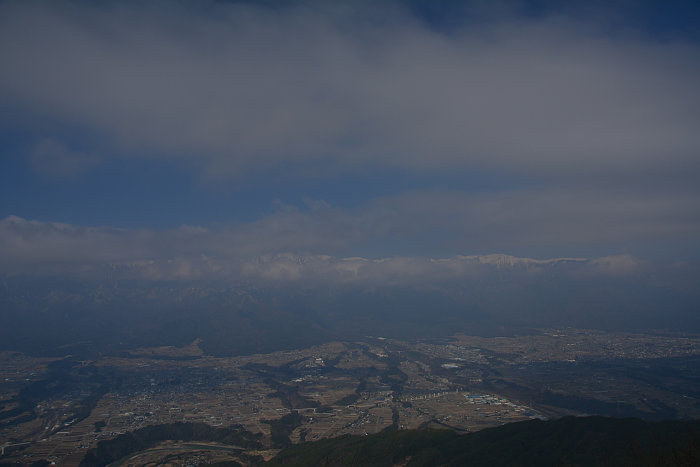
{"x":182,"y":139}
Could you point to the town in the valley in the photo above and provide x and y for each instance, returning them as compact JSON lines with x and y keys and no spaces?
{"x":56,"y":409}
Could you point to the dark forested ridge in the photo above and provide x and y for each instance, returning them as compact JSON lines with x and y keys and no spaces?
{"x":567,"y":441}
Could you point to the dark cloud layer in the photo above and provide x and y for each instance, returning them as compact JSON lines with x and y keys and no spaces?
{"x":235,"y":86}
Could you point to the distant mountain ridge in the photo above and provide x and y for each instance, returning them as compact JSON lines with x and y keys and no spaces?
{"x":280,"y":301}
{"x":494,"y":259}
{"x":498,"y":259}
{"x":298,"y":266}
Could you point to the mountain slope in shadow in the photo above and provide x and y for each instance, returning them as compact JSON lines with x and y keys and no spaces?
{"x":567,"y":441}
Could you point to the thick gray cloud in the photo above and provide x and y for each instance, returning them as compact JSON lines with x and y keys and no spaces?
{"x":445,"y":223}
{"x":556,"y":217}
{"x":237,"y":87}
